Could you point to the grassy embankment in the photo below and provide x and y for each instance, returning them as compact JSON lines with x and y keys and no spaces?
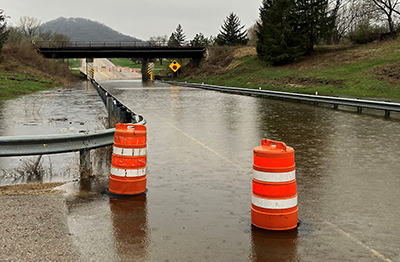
{"x":23,"y":71}
{"x":124,"y":62}
{"x":74,"y":64}
{"x":371,"y":70}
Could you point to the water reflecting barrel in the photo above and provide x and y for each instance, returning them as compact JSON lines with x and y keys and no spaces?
{"x":128,"y":166}
{"x":274,"y":196}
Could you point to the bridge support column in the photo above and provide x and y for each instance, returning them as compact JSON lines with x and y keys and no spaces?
{"x":145,"y":66}
{"x":89,"y":68}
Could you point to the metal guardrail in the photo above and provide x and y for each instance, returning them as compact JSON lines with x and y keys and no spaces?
{"x":101,"y":44}
{"x":335,"y":101}
{"x":116,"y":108}
{"x":63,"y":143}
{"x":54,"y":144}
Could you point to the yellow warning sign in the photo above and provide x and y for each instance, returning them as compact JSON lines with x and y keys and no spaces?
{"x":150,"y":72}
{"x":174,"y":66}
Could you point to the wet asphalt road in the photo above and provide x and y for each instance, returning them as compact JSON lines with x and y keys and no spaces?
{"x":197,"y":207}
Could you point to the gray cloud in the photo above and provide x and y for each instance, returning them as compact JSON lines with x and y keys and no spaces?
{"x":141,"y":19}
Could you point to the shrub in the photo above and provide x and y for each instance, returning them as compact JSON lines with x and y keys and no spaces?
{"x":364,"y":34}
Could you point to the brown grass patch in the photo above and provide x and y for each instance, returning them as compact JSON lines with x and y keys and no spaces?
{"x":298,"y":81}
{"x":24,"y":58}
{"x":388,"y":73}
{"x":241,"y":52}
{"x":30,"y":189}
{"x":327,"y":56}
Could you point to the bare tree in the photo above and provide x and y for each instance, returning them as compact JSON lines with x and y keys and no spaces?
{"x":45,"y":35}
{"x":57,"y":37}
{"x":15,"y":35}
{"x":389,"y":9}
{"x":29,"y":26}
{"x":252,"y":35}
{"x":349,"y":14}
{"x":158,"y":40}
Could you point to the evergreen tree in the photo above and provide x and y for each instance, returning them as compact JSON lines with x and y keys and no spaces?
{"x":290,"y":28}
{"x":3,"y":29}
{"x":278,"y":39}
{"x":314,"y":22}
{"x":173,"y":42}
{"x":232,"y":33}
{"x":177,"y":38}
{"x":199,"y":40}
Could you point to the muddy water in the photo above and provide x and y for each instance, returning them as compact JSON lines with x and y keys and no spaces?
{"x":197,"y":207}
{"x":55,"y":111}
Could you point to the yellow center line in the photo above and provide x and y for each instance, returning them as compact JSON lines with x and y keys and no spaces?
{"x":103,"y":74}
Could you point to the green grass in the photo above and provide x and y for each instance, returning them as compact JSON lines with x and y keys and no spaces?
{"x":74,"y":62}
{"x":76,"y":72}
{"x":357,"y":79}
{"x":125,"y":62}
{"x":13,"y":85}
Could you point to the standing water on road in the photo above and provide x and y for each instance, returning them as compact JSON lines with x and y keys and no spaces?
{"x":200,"y":157}
{"x":55,"y":111}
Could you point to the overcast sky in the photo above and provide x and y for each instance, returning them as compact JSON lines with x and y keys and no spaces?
{"x":140,"y":19}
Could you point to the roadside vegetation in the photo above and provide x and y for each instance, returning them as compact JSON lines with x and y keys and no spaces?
{"x":371,"y":70}
{"x":132,"y":63}
{"x":332,"y":48}
{"x":22,"y":69}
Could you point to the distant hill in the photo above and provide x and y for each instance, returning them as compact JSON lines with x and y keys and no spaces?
{"x":81,"y":29}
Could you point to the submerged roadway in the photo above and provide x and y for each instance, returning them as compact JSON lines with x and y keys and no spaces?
{"x":197,"y":207}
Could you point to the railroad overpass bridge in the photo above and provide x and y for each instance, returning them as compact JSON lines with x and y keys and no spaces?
{"x":142,"y":50}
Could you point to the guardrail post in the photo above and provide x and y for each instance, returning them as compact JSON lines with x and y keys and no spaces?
{"x":84,"y":163}
{"x":109,"y":105}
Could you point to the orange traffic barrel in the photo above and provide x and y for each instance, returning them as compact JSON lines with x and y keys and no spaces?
{"x":128,"y":165}
{"x":274,"y":196}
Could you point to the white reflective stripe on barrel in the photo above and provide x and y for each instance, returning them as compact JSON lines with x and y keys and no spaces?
{"x":274,"y":177}
{"x":129,"y":151}
{"x":274,"y":203}
{"x":128,"y":172}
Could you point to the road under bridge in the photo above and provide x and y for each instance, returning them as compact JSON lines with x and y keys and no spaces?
{"x":139,"y":50}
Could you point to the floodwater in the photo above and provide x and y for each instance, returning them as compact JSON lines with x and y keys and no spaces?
{"x":197,"y":207}
{"x":199,"y":171}
{"x":55,"y":111}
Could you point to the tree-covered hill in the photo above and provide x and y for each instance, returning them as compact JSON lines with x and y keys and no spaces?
{"x":81,"y":29}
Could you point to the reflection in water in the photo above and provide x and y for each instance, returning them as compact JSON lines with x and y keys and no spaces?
{"x":54,"y":111}
{"x":200,"y":159}
{"x":274,"y":246}
{"x":129,"y":219}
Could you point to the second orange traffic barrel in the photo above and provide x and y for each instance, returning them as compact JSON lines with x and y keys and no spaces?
{"x":274,"y":197}
{"x":128,"y":166}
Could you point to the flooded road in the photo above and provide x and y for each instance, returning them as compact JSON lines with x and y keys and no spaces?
{"x":200,"y":158}
{"x":55,"y":111}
